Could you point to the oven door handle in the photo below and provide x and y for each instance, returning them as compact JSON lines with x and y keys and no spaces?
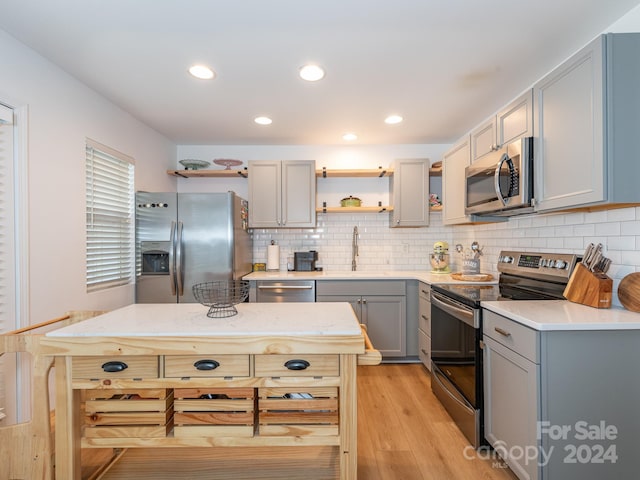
{"x":465,"y":314}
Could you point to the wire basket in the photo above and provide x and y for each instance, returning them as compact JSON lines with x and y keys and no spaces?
{"x":221,"y":297}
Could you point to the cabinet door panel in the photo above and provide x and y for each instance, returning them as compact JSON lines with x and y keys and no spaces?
{"x":511,"y":404}
{"x":354,"y":301}
{"x":516,"y":119}
{"x":385,"y":319}
{"x":299,"y":193}
{"x":483,"y":139}
{"x":453,"y":183}
{"x":410,"y":192}
{"x":568,"y":112}
{"x":265,"y":184}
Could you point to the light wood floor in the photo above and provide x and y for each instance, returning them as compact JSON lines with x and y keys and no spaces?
{"x":403,"y":434}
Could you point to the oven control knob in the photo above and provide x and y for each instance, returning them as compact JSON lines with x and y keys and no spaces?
{"x":543,"y":262}
{"x":551,"y":263}
{"x":561,"y":264}
{"x":507,"y":259}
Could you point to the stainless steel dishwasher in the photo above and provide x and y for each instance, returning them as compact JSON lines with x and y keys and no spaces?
{"x":285,"y":291}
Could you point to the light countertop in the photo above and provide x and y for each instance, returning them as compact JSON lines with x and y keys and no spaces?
{"x":190,"y":319}
{"x":547,"y":315}
{"x":421,"y":275}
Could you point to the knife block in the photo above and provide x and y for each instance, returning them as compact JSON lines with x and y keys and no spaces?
{"x":589,"y":288}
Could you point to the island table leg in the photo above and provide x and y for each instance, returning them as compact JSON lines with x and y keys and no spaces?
{"x":348,"y":418}
{"x":67,"y":424}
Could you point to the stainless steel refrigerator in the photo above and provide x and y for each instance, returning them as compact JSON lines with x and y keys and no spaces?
{"x":188,"y":238}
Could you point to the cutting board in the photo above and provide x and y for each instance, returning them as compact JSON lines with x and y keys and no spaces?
{"x":629,"y":292}
{"x":472,"y":277}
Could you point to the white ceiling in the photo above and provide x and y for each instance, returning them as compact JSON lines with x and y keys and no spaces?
{"x":443,"y":65}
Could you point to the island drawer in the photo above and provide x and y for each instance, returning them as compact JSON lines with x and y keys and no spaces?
{"x":181,"y":366}
{"x":513,"y":335}
{"x":306,"y":411}
{"x":88,"y":368}
{"x":297,"y":365}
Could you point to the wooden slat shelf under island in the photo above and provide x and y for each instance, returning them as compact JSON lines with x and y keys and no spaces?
{"x":150,"y":375}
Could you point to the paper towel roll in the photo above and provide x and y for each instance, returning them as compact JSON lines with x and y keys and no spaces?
{"x":273,"y":257}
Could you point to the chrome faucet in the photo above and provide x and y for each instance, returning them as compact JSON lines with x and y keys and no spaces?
{"x":354,"y":248}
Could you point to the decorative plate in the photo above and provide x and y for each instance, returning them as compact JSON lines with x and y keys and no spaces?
{"x":194,"y":164}
{"x":227,"y":162}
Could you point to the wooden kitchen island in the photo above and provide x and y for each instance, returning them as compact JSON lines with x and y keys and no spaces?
{"x":150,"y":375}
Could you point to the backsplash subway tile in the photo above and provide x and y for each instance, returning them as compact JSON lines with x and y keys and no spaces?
{"x":385,"y":248}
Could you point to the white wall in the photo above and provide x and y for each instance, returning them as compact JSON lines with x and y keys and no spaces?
{"x":62,"y":112}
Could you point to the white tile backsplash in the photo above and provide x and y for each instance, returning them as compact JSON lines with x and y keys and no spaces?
{"x":385,"y":248}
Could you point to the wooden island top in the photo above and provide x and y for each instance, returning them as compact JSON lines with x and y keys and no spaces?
{"x":265,"y":328}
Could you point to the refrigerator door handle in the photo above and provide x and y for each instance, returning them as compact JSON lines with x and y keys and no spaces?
{"x":172,"y":265}
{"x":179,"y":272}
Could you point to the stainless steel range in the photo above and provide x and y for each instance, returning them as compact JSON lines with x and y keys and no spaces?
{"x":456,"y":328}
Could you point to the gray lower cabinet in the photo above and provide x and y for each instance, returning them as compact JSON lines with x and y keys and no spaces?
{"x":511,"y":390}
{"x":562,"y":404}
{"x":380,"y":305}
{"x":424,"y":324}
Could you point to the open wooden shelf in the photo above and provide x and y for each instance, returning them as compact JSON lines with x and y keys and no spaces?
{"x":323,"y":173}
{"x":208,"y":173}
{"x":373,"y":172}
{"x":375,"y":209}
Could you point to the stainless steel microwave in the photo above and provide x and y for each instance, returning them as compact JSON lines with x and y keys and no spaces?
{"x":500,"y":183}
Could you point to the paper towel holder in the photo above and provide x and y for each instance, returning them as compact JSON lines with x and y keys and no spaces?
{"x":273,"y":256}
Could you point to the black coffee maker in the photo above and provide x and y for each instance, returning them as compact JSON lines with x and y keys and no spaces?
{"x":305,"y":261}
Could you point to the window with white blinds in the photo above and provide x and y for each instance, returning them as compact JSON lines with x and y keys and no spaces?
{"x":110,"y":217}
{"x":7,"y":262}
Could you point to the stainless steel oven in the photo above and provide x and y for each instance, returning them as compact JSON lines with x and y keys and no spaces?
{"x":457,"y":362}
{"x":456,"y":328}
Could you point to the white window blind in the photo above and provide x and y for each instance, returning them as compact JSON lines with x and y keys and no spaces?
{"x":7,"y":263}
{"x":110,"y":217}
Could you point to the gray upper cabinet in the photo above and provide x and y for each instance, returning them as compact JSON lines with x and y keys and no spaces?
{"x":587,"y":122}
{"x":512,"y":122}
{"x":453,"y":195}
{"x":282,"y":194}
{"x":483,"y":138}
{"x":409,"y":193}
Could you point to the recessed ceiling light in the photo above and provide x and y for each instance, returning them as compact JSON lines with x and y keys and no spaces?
{"x":201,"y":71}
{"x":263,"y":120}
{"x":311,"y":73}
{"x":349,"y":137}
{"x":393,"y":119}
